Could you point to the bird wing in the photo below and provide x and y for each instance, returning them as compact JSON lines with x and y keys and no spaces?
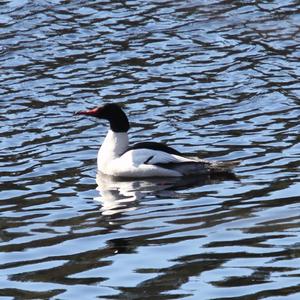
{"x":154,"y":146}
{"x":152,"y":157}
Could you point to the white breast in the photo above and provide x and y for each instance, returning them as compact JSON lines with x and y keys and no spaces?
{"x":114,"y":144}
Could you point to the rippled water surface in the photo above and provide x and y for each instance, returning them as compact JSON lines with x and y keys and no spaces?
{"x":219,"y":79}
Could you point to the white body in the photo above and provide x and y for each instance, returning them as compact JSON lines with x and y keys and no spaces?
{"x":134,"y":163}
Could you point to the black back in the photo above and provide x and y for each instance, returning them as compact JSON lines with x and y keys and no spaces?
{"x":154,"y":146}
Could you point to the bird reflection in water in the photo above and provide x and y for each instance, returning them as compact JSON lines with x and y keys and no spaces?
{"x":118,"y":195}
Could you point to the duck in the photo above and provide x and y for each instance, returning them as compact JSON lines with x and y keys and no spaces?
{"x":145,"y":159}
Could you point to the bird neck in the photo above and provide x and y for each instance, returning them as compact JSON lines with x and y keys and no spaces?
{"x":119,"y":123}
{"x":114,"y":144}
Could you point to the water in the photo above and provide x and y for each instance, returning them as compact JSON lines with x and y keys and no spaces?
{"x":216,"y":78}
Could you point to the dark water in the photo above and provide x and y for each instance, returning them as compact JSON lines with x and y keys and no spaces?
{"x":216,"y":78}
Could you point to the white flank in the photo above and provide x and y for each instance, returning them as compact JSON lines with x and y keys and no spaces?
{"x":134,"y":163}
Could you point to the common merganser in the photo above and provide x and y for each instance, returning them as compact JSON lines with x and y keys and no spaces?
{"x":146,"y":159}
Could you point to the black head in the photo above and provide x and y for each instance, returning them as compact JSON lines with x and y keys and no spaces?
{"x":111,"y":112}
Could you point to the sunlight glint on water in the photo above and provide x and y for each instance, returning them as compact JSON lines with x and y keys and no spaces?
{"x":216,"y":79}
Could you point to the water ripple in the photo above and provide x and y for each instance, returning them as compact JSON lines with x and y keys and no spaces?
{"x":212,"y":78}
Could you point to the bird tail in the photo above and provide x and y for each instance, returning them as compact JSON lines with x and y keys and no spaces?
{"x":223,"y":166}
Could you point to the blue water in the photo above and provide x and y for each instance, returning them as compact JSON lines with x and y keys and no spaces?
{"x":219,"y":79}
